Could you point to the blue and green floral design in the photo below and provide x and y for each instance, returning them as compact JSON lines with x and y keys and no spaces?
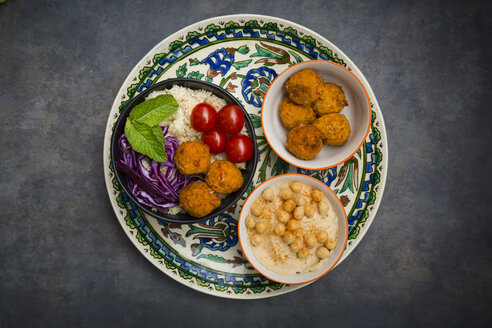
{"x":255,"y":84}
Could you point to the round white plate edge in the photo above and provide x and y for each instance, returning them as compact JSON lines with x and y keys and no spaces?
{"x":149,"y":56}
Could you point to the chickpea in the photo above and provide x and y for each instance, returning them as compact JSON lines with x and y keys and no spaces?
{"x":289,"y":205}
{"x":286,"y":194}
{"x":260,"y":227}
{"x":296,"y":246}
{"x":283,"y":216}
{"x":308,"y":188}
{"x":296,"y":186}
{"x":268,"y":194}
{"x":257,"y":208}
{"x":280,"y":229}
{"x":283,"y":185}
{"x":317,"y":195}
{"x":311,"y":241}
{"x":250,"y":221}
{"x":302,"y":253}
{"x":299,"y":212}
{"x":322,"y":207}
{"x":289,"y":237}
{"x":322,"y":236}
{"x":256,"y":239}
{"x":293,"y":225}
{"x":300,"y":200}
{"x":322,"y":252}
{"x":330,"y":243}
{"x":309,"y":210}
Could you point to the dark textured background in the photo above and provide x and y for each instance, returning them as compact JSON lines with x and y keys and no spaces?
{"x":425,"y":261}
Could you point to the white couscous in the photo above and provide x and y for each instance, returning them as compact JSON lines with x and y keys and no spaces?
{"x":180,"y":123}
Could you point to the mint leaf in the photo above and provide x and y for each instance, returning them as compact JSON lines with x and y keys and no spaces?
{"x":154,"y":111}
{"x":147,"y":140}
{"x":157,"y":131}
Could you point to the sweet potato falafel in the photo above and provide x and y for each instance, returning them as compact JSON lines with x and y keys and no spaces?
{"x":224,"y":177}
{"x":304,"y":141}
{"x":293,"y":114}
{"x":330,"y":99}
{"x":301,"y":86}
{"x":192,"y":157}
{"x":198,"y":199}
{"x":335,"y":129}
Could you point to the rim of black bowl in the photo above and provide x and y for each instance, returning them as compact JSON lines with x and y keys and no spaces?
{"x":230,"y":199}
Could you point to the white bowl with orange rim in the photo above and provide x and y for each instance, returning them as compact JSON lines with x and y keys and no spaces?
{"x":358,"y":114}
{"x":306,"y":269}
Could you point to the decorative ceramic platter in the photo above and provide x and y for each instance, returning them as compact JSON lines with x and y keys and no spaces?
{"x":243,"y":54}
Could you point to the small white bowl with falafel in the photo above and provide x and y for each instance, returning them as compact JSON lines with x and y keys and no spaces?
{"x":316,"y":114}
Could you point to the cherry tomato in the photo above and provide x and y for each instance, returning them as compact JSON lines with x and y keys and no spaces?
{"x":239,"y":148}
{"x":203,"y":117}
{"x":230,"y":119}
{"x":215,"y":139}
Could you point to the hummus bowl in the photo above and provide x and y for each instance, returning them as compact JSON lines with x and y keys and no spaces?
{"x":322,"y":230}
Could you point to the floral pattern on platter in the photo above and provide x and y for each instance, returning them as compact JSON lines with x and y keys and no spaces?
{"x":242,"y":54}
{"x":255,"y":85}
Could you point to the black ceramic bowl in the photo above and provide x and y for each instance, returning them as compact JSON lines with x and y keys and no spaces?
{"x":248,"y":173}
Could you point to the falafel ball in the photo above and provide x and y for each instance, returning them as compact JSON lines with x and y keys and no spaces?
{"x":301,"y":86}
{"x":304,"y":141}
{"x":192,"y":157}
{"x":224,"y":177}
{"x":198,"y":199}
{"x":293,"y":114}
{"x":335,"y":129}
{"x":330,"y":99}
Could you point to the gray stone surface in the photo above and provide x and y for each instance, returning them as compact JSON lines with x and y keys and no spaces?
{"x":64,"y":259}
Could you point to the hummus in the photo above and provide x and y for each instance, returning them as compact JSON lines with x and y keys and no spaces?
{"x":286,"y":247}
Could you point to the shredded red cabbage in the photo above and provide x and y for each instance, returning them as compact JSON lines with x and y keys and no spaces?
{"x":158,"y":186}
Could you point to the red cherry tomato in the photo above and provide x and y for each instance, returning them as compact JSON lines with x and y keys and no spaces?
{"x":230,"y":119}
{"x":203,"y":117}
{"x":239,"y":148}
{"x":215,"y":139}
